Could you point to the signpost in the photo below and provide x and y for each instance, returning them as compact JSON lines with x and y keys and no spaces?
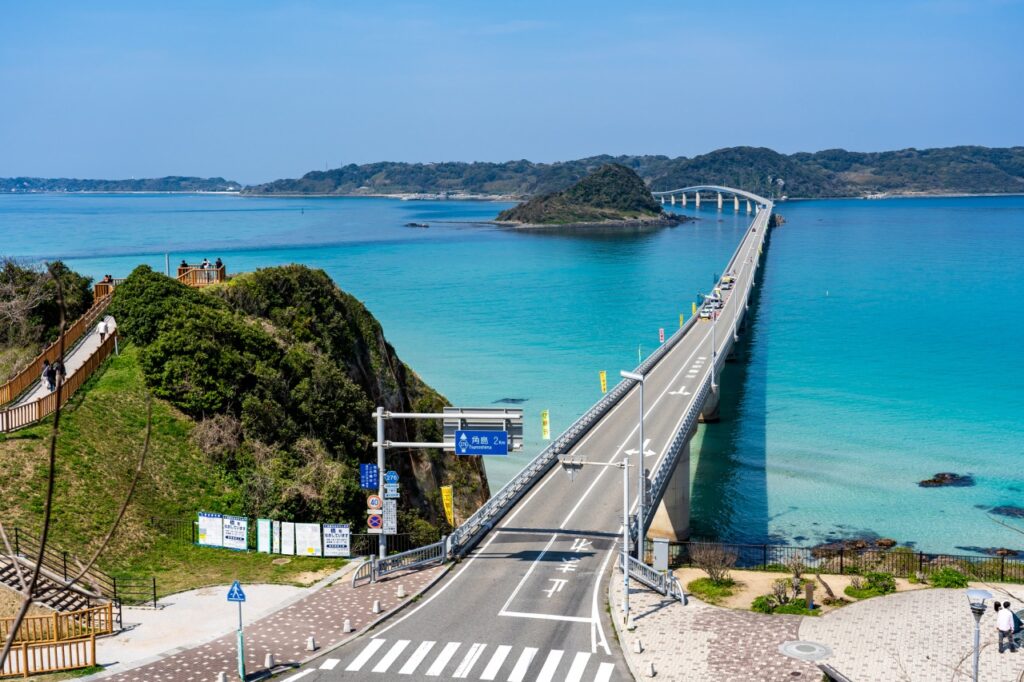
{"x":368,"y":476}
{"x":390,"y":525}
{"x":391,"y":485}
{"x":235,"y":594}
{"x":481,"y":442}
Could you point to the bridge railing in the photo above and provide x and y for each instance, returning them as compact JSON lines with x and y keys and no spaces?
{"x":663,"y":582}
{"x":414,"y":558}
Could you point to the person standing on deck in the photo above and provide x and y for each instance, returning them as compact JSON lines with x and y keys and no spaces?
{"x":102,"y":329}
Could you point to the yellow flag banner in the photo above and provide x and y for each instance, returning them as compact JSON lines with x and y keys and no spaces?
{"x":545,"y":425}
{"x":680,"y":320}
{"x":604,"y":381}
{"x":693,"y":308}
{"x":449,"y":509}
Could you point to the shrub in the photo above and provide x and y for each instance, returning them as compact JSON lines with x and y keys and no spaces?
{"x":713,"y":559}
{"x":780,"y":590}
{"x":883,"y":583}
{"x":797,"y":608}
{"x":947,"y":577}
{"x":710,"y":591}
{"x":764,"y":604}
{"x":147,"y":298}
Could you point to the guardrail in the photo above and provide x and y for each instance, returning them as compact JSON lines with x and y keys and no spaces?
{"x":57,"y":627}
{"x":14,"y":418}
{"x":414,"y":558}
{"x":30,"y":658}
{"x":30,"y":375}
{"x":364,"y":573}
{"x":663,"y":582}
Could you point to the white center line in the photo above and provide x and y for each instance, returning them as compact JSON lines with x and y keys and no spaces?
{"x":494,"y":665}
{"x":547,"y":673}
{"x":470,"y":660}
{"x":442,"y":659}
{"x":391,"y":656}
{"x":522,"y":665}
{"x":417,"y":657}
{"x":365,"y":655}
{"x":579,"y":664}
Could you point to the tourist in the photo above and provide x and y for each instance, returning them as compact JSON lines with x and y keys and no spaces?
{"x":58,"y":366}
{"x":219,"y":264}
{"x":102,"y":329}
{"x":51,"y":376}
{"x":45,"y":376}
{"x":1004,"y":623}
{"x":184,"y":264}
{"x":205,"y":264}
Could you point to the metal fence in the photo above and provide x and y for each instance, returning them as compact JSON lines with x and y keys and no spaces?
{"x":902,"y":562}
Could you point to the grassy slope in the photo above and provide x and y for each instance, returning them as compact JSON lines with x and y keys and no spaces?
{"x":101,"y":438}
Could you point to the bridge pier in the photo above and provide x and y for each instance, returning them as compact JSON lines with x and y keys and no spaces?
{"x":719,"y":201}
{"x":672,"y":198}
{"x":696,"y":199}
{"x":709,"y":411}
{"x":663,"y":201}
{"x":736,"y":203}
{"x":748,"y":207}
{"x":672,"y":519}
{"x":684,"y":198}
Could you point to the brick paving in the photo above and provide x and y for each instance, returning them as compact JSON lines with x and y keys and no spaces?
{"x":701,"y":643}
{"x":284,"y":633}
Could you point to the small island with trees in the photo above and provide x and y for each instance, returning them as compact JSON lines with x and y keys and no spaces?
{"x":612,"y":196}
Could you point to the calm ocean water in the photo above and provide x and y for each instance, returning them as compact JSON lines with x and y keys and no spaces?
{"x":886,"y":346}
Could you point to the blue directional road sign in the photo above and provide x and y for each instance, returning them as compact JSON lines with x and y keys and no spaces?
{"x":481,"y":442}
{"x":369,"y":476}
{"x":236,"y":593}
{"x":391,"y":477}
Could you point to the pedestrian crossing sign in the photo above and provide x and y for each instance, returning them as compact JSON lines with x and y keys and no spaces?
{"x":236,"y":593}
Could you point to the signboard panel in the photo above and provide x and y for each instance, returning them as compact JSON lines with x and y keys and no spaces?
{"x":390,"y":517}
{"x":211,"y":529}
{"x":263,"y":535}
{"x":236,"y":533}
{"x":275,"y":537}
{"x":307,"y":539}
{"x":337,"y":539}
{"x":493,"y":419}
{"x":369,"y":476}
{"x":287,"y":537}
{"x":481,"y":443}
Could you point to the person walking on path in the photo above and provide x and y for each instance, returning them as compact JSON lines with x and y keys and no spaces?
{"x":51,"y":376}
{"x":44,"y":377}
{"x":102,"y":329}
{"x":1004,"y":623}
{"x":58,"y":367}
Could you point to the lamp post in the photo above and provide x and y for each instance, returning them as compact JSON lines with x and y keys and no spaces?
{"x":977,"y":598}
{"x":570,"y":465}
{"x":641,"y":478}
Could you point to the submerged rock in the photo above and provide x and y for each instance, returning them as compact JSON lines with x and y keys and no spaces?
{"x":1009,"y":510}
{"x":991,"y":551}
{"x":948,"y":480}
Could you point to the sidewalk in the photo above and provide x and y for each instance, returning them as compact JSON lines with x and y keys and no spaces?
{"x":283,"y":633}
{"x":86,"y":346}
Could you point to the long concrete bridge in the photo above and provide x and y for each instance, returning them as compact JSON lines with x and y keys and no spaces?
{"x":527,"y":600}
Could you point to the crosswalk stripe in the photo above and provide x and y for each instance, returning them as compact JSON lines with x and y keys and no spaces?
{"x":470,"y":660}
{"x":442,"y":659}
{"x":547,"y":673}
{"x":391,"y":656}
{"x":522,"y":665}
{"x":500,"y":654}
{"x":579,"y":664}
{"x":330,"y":664}
{"x":365,"y":655}
{"x":604,"y":672}
{"x":417,"y":657}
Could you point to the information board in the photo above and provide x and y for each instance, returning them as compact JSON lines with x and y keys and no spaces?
{"x":236,"y":532}
{"x":369,"y":476}
{"x":287,"y":537}
{"x":263,"y":535}
{"x":390,"y":517}
{"x":337,"y":539}
{"x":275,"y":537}
{"x":307,"y":539}
{"x":211,"y":529}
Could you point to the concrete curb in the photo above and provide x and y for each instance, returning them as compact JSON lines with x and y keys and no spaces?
{"x":371,"y":625}
{"x":312,"y":589}
{"x":627,"y":651}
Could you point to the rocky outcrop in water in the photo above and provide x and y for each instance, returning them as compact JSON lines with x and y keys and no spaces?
{"x":948,"y":480}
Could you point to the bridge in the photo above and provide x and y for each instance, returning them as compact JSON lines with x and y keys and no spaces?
{"x":526,"y":600}
{"x":681,"y":194}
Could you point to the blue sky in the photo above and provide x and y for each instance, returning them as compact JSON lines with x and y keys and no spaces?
{"x":254,"y":90}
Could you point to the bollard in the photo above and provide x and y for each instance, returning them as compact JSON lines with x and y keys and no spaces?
{"x":311,"y":644}
{"x":650,"y":670}
{"x":222,"y":677}
{"x":268,"y":661}
{"x":401,"y":592}
{"x":346,"y":626}
{"x":376,"y":605}
{"x":638,"y":648}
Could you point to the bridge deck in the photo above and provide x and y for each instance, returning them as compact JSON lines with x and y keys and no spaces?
{"x":535,"y":582}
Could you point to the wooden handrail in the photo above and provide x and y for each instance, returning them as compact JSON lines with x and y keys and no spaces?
{"x":28,"y":376}
{"x":31,"y":658}
{"x":195,"y":276}
{"x":23,"y":415}
{"x":59,"y":627}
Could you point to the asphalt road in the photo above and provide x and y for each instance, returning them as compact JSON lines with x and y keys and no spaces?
{"x":528,"y":603}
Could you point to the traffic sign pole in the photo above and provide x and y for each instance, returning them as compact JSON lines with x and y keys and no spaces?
{"x":382,"y":541}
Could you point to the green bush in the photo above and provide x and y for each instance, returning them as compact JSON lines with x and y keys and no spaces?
{"x":146,"y":299}
{"x":947,"y":577}
{"x":766,"y":603}
{"x":710,"y":591}
{"x":883,"y":583}
{"x":797,"y":607}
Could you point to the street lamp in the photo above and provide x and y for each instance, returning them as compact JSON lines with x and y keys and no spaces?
{"x":641,"y":478}
{"x":977,"y":598}
{"x":571,"y":465}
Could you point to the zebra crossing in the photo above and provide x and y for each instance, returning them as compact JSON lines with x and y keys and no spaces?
{"x":475,"y":660}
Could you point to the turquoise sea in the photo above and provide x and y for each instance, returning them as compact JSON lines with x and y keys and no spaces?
{"x":887,"y":344}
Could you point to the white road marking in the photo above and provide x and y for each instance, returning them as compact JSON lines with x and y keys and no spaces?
{"x":528,"y":572}
{"x":417,"y":657}
{"x":469,"y":660}
{"x":597,"y":629}
{"x":579,"y":664}
{"x":365,"y":655}
{"x":604,"y":672}
{"x":437,"y":667}
{"x":522,"y":665}
{"x":494,"y":665}
{"x":546,"y":616}
{"x":391,"y":656}
{"x":559,"y":583}
{"x":330,"y":664}
{"x":299,"y":676}
{"x":547,"y":673}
